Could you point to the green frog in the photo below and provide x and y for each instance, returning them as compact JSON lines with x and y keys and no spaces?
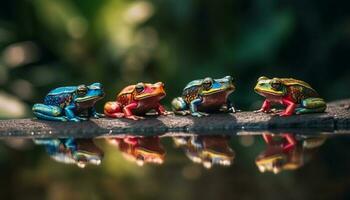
{"x":205,"y":95}
{"x":298,"y":96}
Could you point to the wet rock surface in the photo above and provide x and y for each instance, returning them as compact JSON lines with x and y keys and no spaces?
{"x":335,"y":120}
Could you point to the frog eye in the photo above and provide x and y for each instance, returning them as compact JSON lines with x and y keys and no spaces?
{"x":139,"y":87}
{"x":207,"y":83}
{"x":276,"y":86}
{"x":82,"y":90}
{"x":261,"y":78}
{"x":96,"y":86}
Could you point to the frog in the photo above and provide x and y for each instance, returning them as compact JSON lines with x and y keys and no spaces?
{"x":206,"y":150}
{"x":140,"y":150}
{"x":70,"y":103}
{"x":286,"y":151}
{"x":202,"y":96}
{"x":298,"y":96}
{"x":134,"y":101}
{"x":80,"y":152}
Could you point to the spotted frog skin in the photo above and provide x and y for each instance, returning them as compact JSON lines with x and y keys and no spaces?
{"x":140,"y":150}
{"x":135,"y":100}
{"x":205,"y":95}
{"x":298,"y":96}
{"x":72,"y":103}
{"x":72,"y":151}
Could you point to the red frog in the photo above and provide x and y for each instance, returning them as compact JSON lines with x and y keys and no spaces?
{"x":140,"y":149}
{"x":135,"y":100}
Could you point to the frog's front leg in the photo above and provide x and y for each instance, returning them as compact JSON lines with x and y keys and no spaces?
{"x":230,"y":107}
{"x":194,"y":108}
{"x":95,"y":114}
{"x":266,"y":107}
{"x":290,"y":107}
{"x":161,"y":110}
{"x":47,"y":112}
{"x":69,"y":112}
{"x":311,"y":105}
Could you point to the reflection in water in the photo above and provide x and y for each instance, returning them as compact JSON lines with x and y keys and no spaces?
{"x":208,"y":150}
{"x":72,"y":151}
{"x":286,"y":151}
{"x":140,"y":149}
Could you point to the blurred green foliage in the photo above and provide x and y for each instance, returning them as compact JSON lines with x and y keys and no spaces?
{"x":46,"y":44}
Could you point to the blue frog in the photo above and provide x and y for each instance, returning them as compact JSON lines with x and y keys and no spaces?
{"x":72,"y":151}
{"x":71,"y":103}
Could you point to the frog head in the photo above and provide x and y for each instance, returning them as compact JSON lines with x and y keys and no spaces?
{"x":87,"y":96}
{"x":270,"y":87}
{"x":149,"y":91}
{"x":213,"y":86}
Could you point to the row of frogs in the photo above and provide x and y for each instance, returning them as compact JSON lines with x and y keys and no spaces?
{"x":76,"y":103}
{"x":284,"y":151}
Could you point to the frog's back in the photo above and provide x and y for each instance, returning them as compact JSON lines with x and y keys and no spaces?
{"x":60,"y":96}
{"x":292,"y":81}
{"x":125,"y":96}
{"x":299,"y":89}
{"x":190,"y":92}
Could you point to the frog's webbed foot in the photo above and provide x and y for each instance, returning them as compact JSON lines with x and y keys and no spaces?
{"x":182,"y":112}
{"x":199,"y":114}
{"x":134,"y":117}
{"x":233,"y":110}
{"x":265,"y":111}
{"x":98,"y":115}
{"x":77,"y":119}
{"x":167,"y":113}
{"x":285,"y":114}
{"x":260,"y":111}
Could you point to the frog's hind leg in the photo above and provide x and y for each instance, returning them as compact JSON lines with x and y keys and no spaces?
{"x":47,"y":112}
{"x":311,"y":105}
{"x":113,"y":109}
{"x":179,"y":106}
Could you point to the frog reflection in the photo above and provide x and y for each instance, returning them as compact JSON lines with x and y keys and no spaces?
{"x":207,"y":150}
{"x":72,"y":151}
{"x":140,"y":150}
{"x":286,"y":151}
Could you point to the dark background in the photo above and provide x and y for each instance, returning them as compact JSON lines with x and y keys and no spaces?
{"x":48,"y":43}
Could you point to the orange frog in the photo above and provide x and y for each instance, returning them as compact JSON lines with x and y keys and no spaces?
{"x":136,"y":100}
{"x":140,"y":150}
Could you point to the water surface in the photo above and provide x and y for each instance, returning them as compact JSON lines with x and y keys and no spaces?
{"x":263,"y":166}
